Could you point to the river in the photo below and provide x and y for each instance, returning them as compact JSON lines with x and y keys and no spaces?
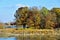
{"x":9,"y":38}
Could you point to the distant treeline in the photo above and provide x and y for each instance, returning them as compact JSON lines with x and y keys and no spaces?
{"x":38,"y":18}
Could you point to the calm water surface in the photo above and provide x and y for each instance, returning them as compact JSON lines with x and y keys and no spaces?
{"x":10,"y":38}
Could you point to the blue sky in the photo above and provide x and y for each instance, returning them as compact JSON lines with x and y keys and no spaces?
{"x":8,"y":7}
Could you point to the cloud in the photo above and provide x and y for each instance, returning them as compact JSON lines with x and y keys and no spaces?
{"x":21,"y":5}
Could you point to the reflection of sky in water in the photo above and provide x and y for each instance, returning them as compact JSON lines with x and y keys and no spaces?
{"x":11,"y":38}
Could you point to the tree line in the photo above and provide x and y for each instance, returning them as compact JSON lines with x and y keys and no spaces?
{"x":37,"y":18}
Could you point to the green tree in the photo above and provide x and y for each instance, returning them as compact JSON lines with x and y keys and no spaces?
{"x":43,"y":12}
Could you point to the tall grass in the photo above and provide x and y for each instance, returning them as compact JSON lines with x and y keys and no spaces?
{"x":33,"y":34}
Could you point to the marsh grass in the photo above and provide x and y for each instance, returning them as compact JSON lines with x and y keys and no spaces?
{"x":36,"y":34}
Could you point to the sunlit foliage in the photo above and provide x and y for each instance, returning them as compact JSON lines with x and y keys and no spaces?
{"x":37,"y":18}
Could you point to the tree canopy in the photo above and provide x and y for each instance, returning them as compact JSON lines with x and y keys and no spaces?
{"x":37,"y":18}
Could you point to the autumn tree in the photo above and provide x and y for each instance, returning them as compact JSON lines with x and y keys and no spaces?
{"x":21,"y":16}
{"x":57,"y":12}
{"x":34,"y":19}
{"x":50,"y":20}
{"x":37,"y":17}
{"x":30,"y":20}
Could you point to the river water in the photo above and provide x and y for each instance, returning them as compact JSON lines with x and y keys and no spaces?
{"x":9,"y":38}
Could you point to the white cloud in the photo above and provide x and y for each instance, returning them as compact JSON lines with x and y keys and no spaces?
{"x":22,"y":5}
